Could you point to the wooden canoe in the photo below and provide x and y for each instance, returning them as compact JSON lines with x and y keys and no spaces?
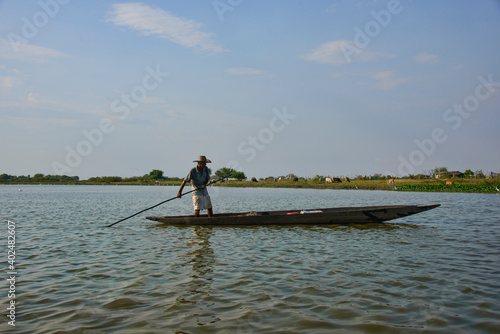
{"x":346,"y":215}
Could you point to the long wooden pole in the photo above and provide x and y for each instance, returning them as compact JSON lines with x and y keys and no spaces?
{"x":154,"y":206}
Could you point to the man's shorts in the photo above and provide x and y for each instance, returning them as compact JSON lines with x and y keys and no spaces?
{"x":201,"y":202}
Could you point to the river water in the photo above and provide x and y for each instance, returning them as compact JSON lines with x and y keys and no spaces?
{"x":435,"y":272}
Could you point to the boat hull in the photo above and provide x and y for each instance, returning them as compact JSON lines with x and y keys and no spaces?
{"x":346,"y":215}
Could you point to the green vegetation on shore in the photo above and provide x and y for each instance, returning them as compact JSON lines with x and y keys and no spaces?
{"x":64,"y":179}
{"x":472,"y":185}
{"x":461,"y":185}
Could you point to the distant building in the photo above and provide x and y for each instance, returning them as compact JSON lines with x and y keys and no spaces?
{"x":449,"y":174}
{"x":493,"y":175}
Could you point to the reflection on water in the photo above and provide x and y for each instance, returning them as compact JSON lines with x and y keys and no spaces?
{"x":433,"y":272}
{"x":200,"y":257}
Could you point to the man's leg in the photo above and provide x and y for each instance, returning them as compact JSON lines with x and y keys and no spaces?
{"x":210,"y":212}
{"x":196,"y":213}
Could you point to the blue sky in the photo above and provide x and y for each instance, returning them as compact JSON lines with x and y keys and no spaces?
{"x":339,"y":88}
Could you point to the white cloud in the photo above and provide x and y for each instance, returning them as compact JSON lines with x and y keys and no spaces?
{"x":10,"y":82}
{"x":340,"y":52}
{"x":26,"y":52}
{"x":424,"y":57}
{"x":331,"y":9}
{"x":12,"y":70}
{"x":33,"y":98}
{"x":244,"y":71}
{"x":387,"y":80}
{"x":150,"y":21}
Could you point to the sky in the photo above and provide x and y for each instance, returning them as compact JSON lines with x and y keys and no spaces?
{"x":270,"y":88}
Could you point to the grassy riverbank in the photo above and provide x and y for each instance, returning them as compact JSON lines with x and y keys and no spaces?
{"x":460,"y":185}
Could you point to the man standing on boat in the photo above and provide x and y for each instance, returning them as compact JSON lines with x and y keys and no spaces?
{"x":199,"y":177}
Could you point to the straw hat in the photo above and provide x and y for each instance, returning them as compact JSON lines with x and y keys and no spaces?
{"x":202,"y":158}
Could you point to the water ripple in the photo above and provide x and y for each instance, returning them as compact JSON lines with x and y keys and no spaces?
{"x":435,"y":273}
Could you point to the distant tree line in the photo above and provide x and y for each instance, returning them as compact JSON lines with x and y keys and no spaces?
{"x":154,"y":176}
{"x":230,"y":173}
{"x":37,"y":178}
{"x":157,"y":176}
